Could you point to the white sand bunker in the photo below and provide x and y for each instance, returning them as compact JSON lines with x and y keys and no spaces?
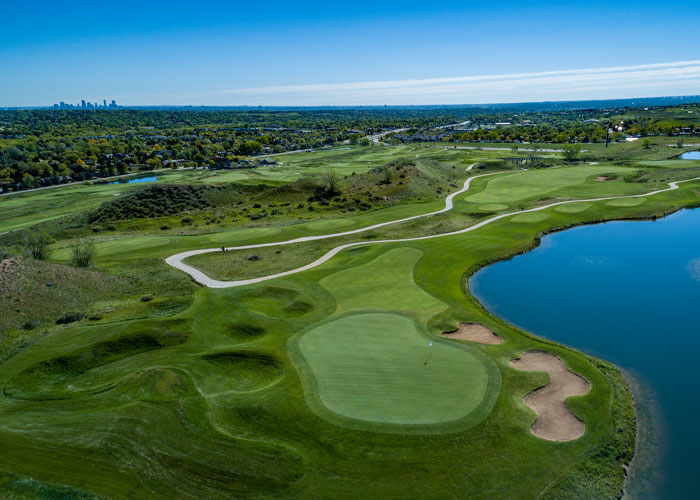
{"x":555,"y":422}
{"x":474,"y":332}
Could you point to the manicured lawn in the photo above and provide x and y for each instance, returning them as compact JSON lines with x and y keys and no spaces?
{"x":385,"y":283}
{"x":380,"y":368}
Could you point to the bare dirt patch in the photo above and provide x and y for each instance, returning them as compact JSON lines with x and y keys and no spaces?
{"x":474,"y":332}
{"x":554,"y":422}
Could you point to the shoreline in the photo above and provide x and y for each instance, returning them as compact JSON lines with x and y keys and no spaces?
{"x":642,"y":474}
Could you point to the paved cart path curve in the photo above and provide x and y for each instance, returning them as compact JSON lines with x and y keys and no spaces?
{"x":177,"y":260}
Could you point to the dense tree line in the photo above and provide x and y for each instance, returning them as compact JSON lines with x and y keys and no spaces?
{"x":46,"y":147}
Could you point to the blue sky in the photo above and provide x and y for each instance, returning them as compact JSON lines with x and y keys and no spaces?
{"x":316,"y":53}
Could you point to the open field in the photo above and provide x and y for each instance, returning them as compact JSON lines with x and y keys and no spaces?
{"x":321,"y":384}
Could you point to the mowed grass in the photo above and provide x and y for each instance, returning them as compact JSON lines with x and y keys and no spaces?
{"x":385,"y":283}
{"x":219,"y":400}
{"x":571,"y":181}
{"x":380,"y":368}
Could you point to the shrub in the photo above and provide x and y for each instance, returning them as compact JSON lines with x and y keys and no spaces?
{"x":147,"y":298}
{"x":37,"y":244}
{"x":70,"y":317}
{"x":153,"y":201}
{"x":95,"y":317}
{"x":30,"y":325}
{"x":82,"y":253}
{"x":254,"y":258}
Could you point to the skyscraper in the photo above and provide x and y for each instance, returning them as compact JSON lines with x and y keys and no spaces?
{"x":82,"y":104}
{"x":104,"y":103}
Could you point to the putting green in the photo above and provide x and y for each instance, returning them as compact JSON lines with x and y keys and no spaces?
{"x":572,"y":208}
{"x":531,"y":217}
{"x":627,"y":202}
{"x":492,"y":207}
{"x":385,"y":283}
{"x":372,"y":367}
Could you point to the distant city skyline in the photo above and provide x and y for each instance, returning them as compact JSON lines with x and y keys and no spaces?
{"x":83,"y":104}
{"x":316,"y":53}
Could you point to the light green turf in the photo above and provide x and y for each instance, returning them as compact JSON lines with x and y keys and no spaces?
{"x":524,"y":185}
{"x":531,"y":217}
{"x":373,"y":367}
{"x":492,"y":207}
{"x":386,"y":283}
{"x":572,"y":208}
{"x":626,"y":202}
{"x":329,"y":224}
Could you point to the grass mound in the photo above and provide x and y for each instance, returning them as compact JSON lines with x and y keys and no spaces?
{"x":155,"y":385}
{"x":152,"y":201}
{"x":277,"y":302}
{"x":45,"y":380}
{"x":248,"y":370}
{"x":245,"y":330}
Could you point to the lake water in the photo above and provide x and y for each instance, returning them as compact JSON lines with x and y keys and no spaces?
{"x":135,"y":181}
{"x":691,"y":155}
{"x":628,"y":292}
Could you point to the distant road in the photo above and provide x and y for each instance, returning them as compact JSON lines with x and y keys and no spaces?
{"x":450,"y":125}
{"x":376,"y":137}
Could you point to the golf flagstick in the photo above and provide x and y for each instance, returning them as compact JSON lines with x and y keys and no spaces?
{"x":430,"y":353}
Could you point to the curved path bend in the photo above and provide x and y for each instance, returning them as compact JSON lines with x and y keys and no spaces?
{"x":177,"y":260}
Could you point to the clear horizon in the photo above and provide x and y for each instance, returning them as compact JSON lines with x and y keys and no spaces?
{"x":315,"y":54}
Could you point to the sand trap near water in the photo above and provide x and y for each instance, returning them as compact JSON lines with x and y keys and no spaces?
{"x":474,"y":332}
{"x":554,"y":422}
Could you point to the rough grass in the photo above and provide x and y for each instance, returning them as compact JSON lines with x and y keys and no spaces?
{"x":152,"y":201}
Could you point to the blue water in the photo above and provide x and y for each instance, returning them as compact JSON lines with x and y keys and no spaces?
{"x":691,"y":155}
{"x":628,"y":292}
{"x":134,"y":181}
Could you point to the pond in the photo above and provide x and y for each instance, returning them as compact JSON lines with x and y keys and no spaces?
{"x":135,"y":181}
{"x":628,"y":292}
{"x":690,"y":155}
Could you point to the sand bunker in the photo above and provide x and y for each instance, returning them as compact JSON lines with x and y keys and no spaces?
{"x":602,"y":178}
{"x":474,"y":332}
{"x":555,"y":422}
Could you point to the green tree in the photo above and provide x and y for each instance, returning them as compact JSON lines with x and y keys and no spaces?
{"x":249,"y":148}
{"x":646,"y":143}
{"x":82,"y":253}
{"x":330,"y":182}
{"x":37,"y":244}
{"x":571,"y":151}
